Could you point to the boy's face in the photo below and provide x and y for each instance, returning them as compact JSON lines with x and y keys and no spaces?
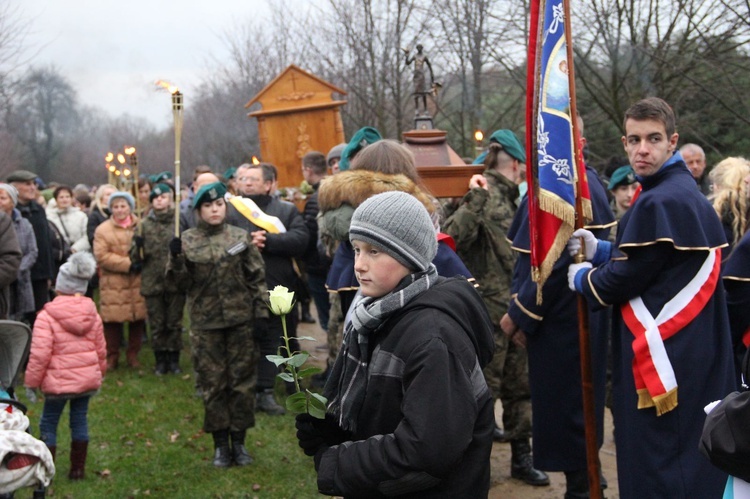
{"x":378,"y":273}
{"x":162,"y":201}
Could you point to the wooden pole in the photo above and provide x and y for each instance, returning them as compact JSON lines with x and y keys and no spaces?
{"x":177,"y":114}
{"x":587,"y":384}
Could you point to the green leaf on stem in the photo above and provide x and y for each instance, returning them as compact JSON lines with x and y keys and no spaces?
{"x":286,"y":377}
{"x":308,"y":371}
{"x":277,"y":359}
{"x":297,"y":359}
{"x":316,"y":406}
{"x":308,"y":338}
{"x":297,"y":402}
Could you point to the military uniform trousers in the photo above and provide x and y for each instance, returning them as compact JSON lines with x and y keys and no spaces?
{"x":165,"y":312}
{"x":225,"y":361}
{"x":508,"y":378}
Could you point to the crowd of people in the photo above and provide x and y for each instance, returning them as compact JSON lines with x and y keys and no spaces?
{"x":430,"y":309}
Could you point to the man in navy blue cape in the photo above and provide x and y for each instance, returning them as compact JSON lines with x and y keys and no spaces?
{"x":670,"y":325}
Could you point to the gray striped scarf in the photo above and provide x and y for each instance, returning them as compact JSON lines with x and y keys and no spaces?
{"x":347,"y":384}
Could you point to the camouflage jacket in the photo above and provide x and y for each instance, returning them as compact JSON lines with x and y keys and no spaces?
{"x":157,"y":230}
{"x":480,"y":226}
{"x":222,"y":273}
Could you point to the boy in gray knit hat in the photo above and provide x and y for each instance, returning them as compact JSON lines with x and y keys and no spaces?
{"x":409,"y":372}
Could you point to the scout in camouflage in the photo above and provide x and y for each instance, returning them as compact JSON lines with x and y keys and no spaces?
{"x":223,"y":275}
{"x":164,"y":303}
{"x":480,"y":226}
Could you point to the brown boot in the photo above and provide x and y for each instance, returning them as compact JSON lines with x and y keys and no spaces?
{"x":135,"y":339}
{"x":113,"y":335}
{"x":78,"y":451}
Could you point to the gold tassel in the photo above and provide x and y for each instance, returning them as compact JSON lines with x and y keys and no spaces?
{"x":663,"y":403}
{"x":667,"y":402}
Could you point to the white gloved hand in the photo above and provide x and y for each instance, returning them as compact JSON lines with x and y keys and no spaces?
{"x":573,"y":269}
{"x":591,"y":242}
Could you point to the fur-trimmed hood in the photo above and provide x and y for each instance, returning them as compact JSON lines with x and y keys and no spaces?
{"x":353,"y":187}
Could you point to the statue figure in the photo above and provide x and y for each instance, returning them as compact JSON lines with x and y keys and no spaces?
{"x":420,"y":85}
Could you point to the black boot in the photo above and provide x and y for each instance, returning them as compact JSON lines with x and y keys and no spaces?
{"x":222,"y":453}
{"x":174,"y":362}
{"x":305,"y":315}
{"x":160,"y":368}
{"x":265,"y":402}
{"x":577,"y":484}
{"x":498,"y":435}
{"x":521,"y":464}
{"x":239,"y":453}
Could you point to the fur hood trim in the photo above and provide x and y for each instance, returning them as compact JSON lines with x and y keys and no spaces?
{"x":353,"y":187}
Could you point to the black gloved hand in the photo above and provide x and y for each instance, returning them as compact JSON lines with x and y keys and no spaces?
{"x":139,"y":241}
{"x":314,"y":433}
{"x":175,"y":246}
{"x":135,"y":268}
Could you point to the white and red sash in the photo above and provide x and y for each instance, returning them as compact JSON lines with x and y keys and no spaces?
{"x":654,"y":377}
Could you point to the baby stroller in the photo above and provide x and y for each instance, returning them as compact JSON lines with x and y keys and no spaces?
{"x":24,"y":460}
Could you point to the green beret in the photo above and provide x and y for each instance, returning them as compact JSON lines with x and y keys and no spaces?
{"x":160,"y":189}
{"x":21,"y":176}
{"x":510,"y":144}
{"x":160,"y":177}
{"x":364,"y":136}
{"x":229,"y":174}
{"x":208,"y":193}
{"x":622,"y":176}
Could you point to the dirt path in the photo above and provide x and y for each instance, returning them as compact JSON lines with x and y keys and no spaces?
{"x":503,"y":486}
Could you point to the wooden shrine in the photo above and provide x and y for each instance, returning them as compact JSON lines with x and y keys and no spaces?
{"x":297,"y":114}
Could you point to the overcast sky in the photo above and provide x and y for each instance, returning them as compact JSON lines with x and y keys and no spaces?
{"x":112,"y":51}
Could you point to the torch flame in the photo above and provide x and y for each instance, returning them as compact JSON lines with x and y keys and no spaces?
{"x":109,"y":157}
{"x":126,"y":172}
{"x":111,"y":168}
{"x":256,"y":161}
{"x":121,"y":159}
{"x":172,"y":89}
{"x":129,"y":150}
{"x":117,"y":172}
{"x":478,"y":135}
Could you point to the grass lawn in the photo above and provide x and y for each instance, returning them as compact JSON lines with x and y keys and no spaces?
{"x":146,"y":440}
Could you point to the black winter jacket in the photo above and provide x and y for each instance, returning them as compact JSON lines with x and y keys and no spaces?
{"x":425,"y":427}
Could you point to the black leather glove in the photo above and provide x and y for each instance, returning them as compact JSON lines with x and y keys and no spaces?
{"x":138,"y":241}
{"x":175,"y":246}
{"x":314,"y":434}
{"x":135,"y":268}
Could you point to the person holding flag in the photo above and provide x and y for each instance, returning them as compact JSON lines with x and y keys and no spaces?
{"x":550,"y":332}
{"x":670,"y":327}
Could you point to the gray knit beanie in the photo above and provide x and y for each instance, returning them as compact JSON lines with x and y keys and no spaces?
{"x":398,"y":224}
{"x":12,"y":192}
{"x":75,"y":274}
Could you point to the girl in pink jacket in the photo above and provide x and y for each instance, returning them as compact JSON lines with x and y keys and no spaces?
{"x":68,"y":358}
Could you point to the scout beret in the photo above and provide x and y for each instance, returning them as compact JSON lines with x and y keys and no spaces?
{"x":364,"y":137}
{"x":208,"y":193}
{"x":159,"y":189}
{"x":622,"y":176}
{"x":229,"y":174}
{"x":510,"y":144}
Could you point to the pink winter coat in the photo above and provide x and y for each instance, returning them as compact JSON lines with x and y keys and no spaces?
{"x":68,"y":351}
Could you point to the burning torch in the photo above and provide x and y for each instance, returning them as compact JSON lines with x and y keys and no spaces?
{"x":177,"y":115}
